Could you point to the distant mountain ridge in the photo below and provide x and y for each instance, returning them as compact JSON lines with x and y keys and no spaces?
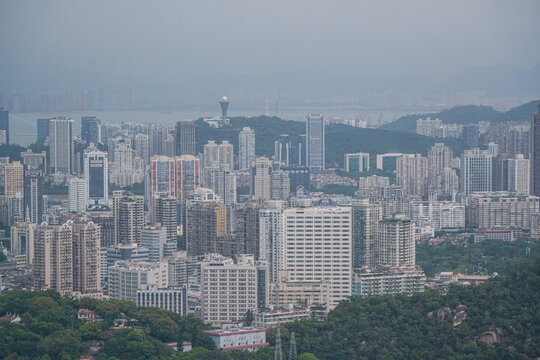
{"x":467,"y":114}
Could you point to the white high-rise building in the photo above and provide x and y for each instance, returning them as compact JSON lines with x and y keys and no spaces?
{"x":315,"y":142}
{"x":126,"y":168}
{"x":61,"y":148}
{"x":246,"y":148}
{"x":223,"y":183}
{"x":396,"y":242}
{"x":218,"y":155}
{"x":228,"y":289}
{"x":261,"y":179}
{"x":439,"y":157}
{"x":519,"y":171}
{"x":86,"y":257}
{"x":127,"y":277}
{"x":477,"y":170}
{"x":96,"y":174}
{"x":78,"y":194}
{"x":309,"y":235}
{"x":271,"y":237}
{"x":281,"y":185}
{"x":154,"y":238}
{"x":412,"y":173}
{"x":430,"y":127}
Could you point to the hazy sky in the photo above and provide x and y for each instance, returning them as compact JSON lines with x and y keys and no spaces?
{"x":64,"y":42}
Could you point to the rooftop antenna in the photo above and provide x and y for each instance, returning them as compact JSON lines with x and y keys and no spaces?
{"x":278,"y":355}
{"x":292,"y":349}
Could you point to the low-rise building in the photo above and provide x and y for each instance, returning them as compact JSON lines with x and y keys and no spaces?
{"x":247,"y":338}
{"x":390,"y":281}
{"x":172,"y":299}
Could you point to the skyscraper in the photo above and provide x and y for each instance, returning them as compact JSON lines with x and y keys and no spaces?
{"x":61,"y":145}
{"x":185,"y":138}
{"x":224,"y":104}
{"x":86,"y":257}
{"x":365,"y":230}
{"x":282,"y":148}
{"x":128,"y":213}
{"x":518,"y":174}
{"x":14,"y":179}
{"x":395,"y":243}
{"x":261,"y":170}
{"x":469,"y":136}
{"x":90,"y":129}
{"x":78,"y":194}
{"x":220,"y":156}
{"x":154,"y":238}
{"x":315,"y":141}
{"x":33,"y":195}
{"x":4,"y":122}
{"x":246,"y":148}
{"x":411,"y":173}
{"x":188,"y":176}
{"x":476,"y":171}
{"x":53,"y":257}
{"x":22,"y":240}
{"x":96,"y":173}
{"x":535,"y":153}
{"x":164,"y":210}
{"x":223,"y":183}
{"x":271,"y":247}
{"x":162,"y":176}
{"x":439,"y":157}
{"x":281,"y":185}
{"x":305,"y":242}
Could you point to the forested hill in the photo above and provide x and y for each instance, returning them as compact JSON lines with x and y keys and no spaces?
{"x":496,"y":320}
{"x":467,"y":114}
{"x":340,"y":139}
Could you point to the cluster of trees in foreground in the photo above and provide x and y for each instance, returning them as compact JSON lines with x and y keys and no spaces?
{"x":422,"y":326}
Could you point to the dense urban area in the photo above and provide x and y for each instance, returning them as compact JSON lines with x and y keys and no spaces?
{"x":251,"y":238}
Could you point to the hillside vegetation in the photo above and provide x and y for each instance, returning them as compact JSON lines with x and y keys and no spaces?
{"x":340,"y":139}
{"x":467,"y":114}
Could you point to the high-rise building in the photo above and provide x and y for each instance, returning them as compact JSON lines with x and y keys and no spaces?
{"x":387,"y":161}
{"x":261,"y":170}
{"x":271,"y":238}
{"x":96,"y":174}
{"x":162,"y":176}
{"x":127,"y":277}
{"x":476,"y":171}
{"x":535,"y":153}
{"x":53,"y":258}
{"x":33,"y":195}
{"x":34,"y":161}
{"x":396,"y":243}
{"x":86,"y":257}
{"x":128,"y":213}
{"x":22,"y":241}
{"x":13,"y":179}
{"x":42,"y":129}
{"x":4,"y":122}
{"x":315,"y":142}
{"x":141,"y":144}
{"x":365,"y":231}
{"x":281,"y":185}
{"x":187,"y":176}
{"x":308,"y":232}
{"x":164,"y":210}
{"x":298,"y":176}
{"x":185,"y":138}
{"x":154,"y":238}
{"x":61,"y":150}
{"x":78,"y":194}
{"x":429,"y":127}
{"x":228,"y":290}
{"x":206,"y":225}
{"x":439,"y":157}
{"x":219,"y":156}
{"x":224,"y":104}
{"x":282,"y":148}
{"x":247,"y":228}
{"x":90,"y":129}
{"x":518,"y":174}
{"x":412,"y":173}
{"x":126,"y":168}
{"x":223,"y":183}
{"x":358,"y":162}
{"x":246,"y":148}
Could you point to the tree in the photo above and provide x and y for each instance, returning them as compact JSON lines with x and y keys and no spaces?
{"x":307,"y":356}
{"x":249,"y":318}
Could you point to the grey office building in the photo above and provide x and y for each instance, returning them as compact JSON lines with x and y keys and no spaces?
{"x":315,"y":142}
